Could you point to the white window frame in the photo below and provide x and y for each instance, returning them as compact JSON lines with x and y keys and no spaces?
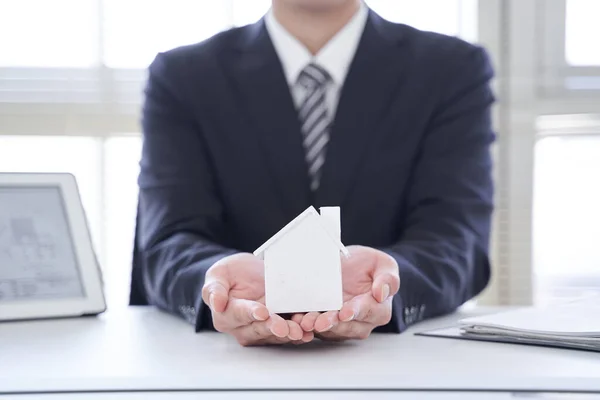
{"x":507,"y":37}
{"x":554,"y":70}
{"x":526,"y":39}
{"x":96,"y":101}
{"x":549,"y":288}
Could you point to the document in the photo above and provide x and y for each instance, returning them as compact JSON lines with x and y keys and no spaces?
{"x":579,"y":318}
{"x":574,"y":324}
{"x":37,"y":254}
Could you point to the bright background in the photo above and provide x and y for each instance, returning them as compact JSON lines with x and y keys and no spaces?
{"x":71,"y":74}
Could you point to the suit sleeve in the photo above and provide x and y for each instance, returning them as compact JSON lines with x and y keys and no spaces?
{"x":181,"y":224}
{"x":443,"y":252}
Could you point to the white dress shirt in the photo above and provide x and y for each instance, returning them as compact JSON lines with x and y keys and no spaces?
{"x":335,"y":57}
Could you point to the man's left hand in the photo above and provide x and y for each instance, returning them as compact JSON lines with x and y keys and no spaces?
{"x":370,"y":279}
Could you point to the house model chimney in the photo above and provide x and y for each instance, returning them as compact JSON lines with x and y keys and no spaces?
{"x":331,"y":219}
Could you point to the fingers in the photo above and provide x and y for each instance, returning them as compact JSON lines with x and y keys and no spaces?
{"x":270,"y":332}
{"x":278,"y":326}
{"x":295,"y":332}
{"x":252,"y":334}
{"x":297,"y":318}
{"x":218,"y":280}
{"x":215,"y":294}
{"x":307,"y":337}
{"x":326,"y":321}
{"x":244,"y":312}
{"x":215,"y":291}
{"x":274,"y":330}
{"x":273,"y":340}
{"x":239,"y":313}
{"x":359,"y":308}
{"x":365,"y":308}
{"x":386,"y":278}
{"x":307,"y":334}
{"x":308,"y":321}
{"x":350,"y":310}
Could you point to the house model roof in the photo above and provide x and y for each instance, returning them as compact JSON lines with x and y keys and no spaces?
{"x":310,"y":211}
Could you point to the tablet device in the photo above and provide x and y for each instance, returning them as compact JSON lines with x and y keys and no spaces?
{"x":48,"y":267}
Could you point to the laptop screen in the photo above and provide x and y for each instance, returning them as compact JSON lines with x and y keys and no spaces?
{"x":37,"y":254}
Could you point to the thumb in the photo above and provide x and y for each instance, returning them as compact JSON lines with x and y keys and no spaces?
{"x":386,"y":279}
{"x":244,"y":312}
{"x":215,"y":293}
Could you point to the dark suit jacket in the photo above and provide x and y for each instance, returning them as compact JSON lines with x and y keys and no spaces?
{"x":409,"y":163}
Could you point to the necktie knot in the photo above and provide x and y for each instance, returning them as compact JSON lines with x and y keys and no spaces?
{"x":313,"y":76}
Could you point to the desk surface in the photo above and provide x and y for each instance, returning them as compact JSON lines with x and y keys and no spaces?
{"x":145,"y":349}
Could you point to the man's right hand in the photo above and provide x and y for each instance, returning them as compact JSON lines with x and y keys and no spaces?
{"x":234,"y":289}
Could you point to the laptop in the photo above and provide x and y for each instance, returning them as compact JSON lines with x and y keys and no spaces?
{"x":48,"y":267}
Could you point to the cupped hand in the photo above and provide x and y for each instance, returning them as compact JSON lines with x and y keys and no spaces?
{"x":234,"y":289}
{"x":370,"y":279}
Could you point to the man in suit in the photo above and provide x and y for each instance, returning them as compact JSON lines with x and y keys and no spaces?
{"x":322,"y":102}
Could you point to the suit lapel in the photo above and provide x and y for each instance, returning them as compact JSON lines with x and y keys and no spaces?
{"x":366,"y":97}
{"x":266,"y":96}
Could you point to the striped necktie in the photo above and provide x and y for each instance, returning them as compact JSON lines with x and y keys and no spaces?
{"x":315,"y":120}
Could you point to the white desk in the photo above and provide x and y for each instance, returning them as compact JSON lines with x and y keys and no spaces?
{"x":145,"y":350}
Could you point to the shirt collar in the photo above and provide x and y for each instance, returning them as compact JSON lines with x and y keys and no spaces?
{"x":335,"y":57}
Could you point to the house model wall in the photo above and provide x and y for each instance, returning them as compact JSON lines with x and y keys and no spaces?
{"x":303,"y":265}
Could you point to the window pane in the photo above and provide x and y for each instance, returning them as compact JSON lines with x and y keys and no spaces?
{"x":136,"y":30}
{"x":582,"y":32}
{"x":43,"y":33}
{"x":445,"y":19}
{"x":249,"y":11}
{"x":77,"y":155}
{"x":567,"y":216}
{"x":122,"y":169}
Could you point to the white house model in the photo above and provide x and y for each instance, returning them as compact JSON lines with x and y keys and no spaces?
{"x":303,"y":265}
